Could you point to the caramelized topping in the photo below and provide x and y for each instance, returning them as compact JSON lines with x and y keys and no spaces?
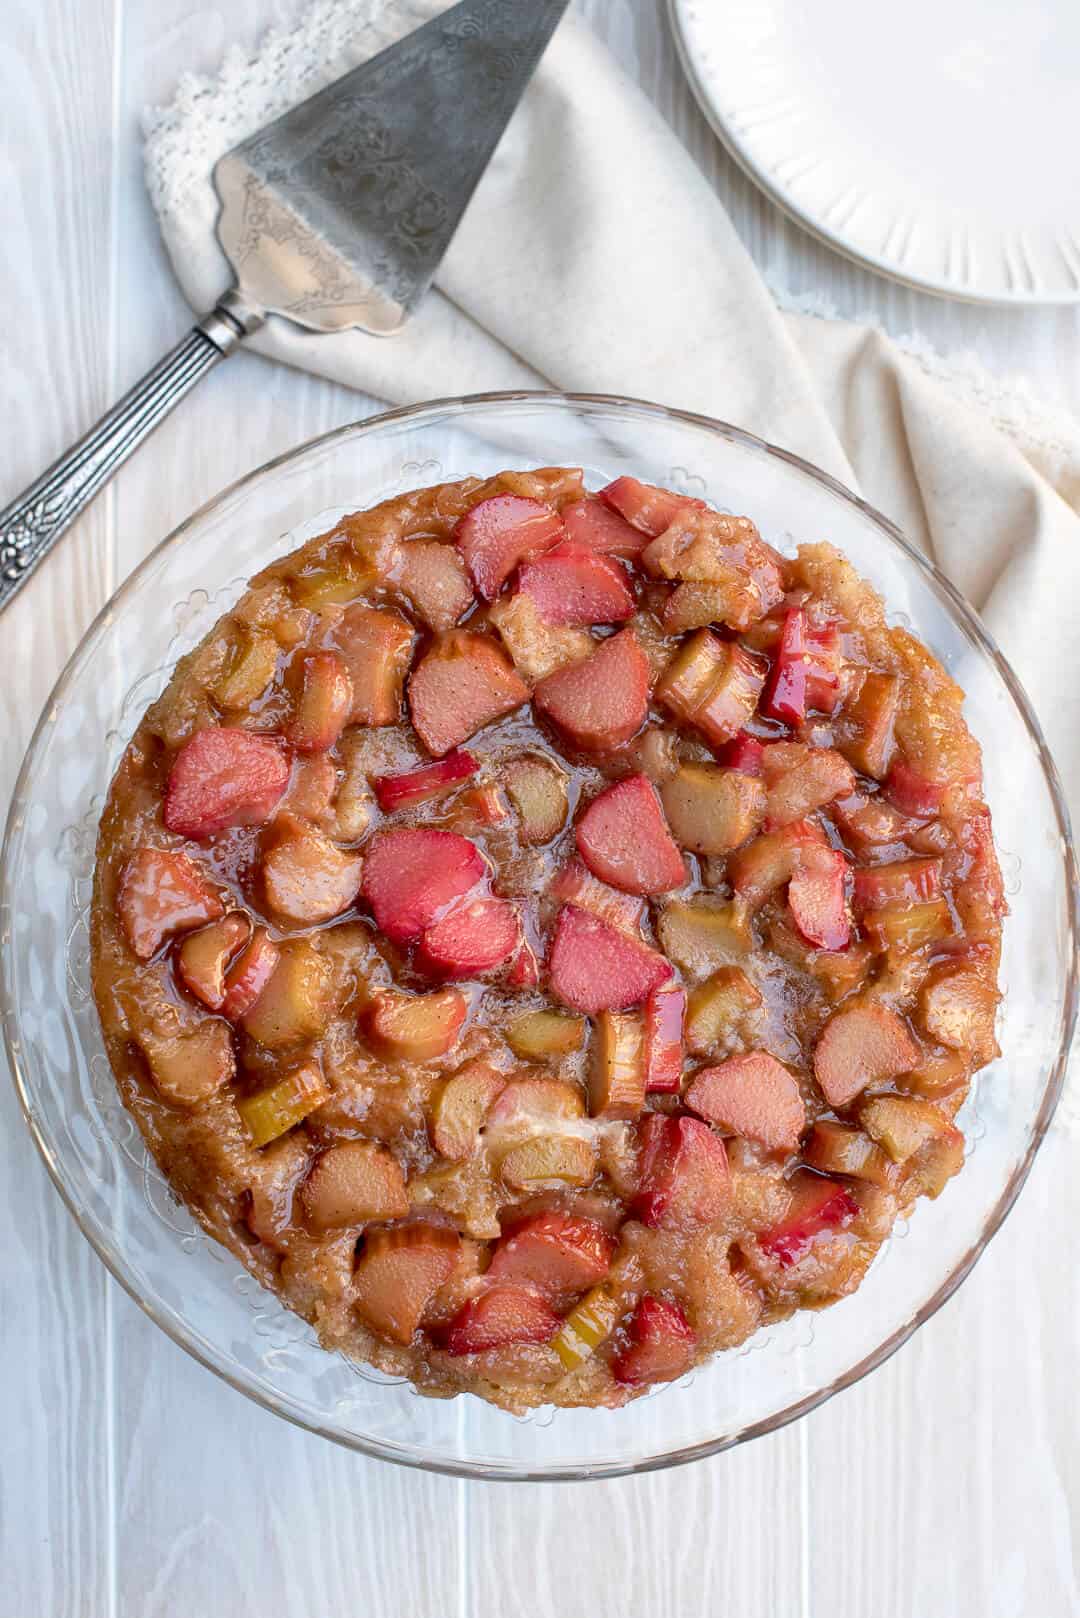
{"x":549,"y":1066}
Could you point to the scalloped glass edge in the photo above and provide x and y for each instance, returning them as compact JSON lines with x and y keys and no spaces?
{"x":190,"y":1340}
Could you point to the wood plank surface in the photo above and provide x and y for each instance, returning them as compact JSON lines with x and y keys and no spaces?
{"x":133,"y":1482}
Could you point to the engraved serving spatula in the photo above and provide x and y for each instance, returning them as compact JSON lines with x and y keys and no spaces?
{"x":337,"y":214}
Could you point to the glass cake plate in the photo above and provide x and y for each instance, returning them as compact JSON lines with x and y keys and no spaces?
{"x":198,"y":1293}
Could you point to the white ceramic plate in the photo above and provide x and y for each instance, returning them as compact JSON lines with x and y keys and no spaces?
{"x":936,"y":142}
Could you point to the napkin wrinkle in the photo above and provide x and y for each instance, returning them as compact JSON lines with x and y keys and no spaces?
{"x":1048,"y":434}
{"x":596,"y":257}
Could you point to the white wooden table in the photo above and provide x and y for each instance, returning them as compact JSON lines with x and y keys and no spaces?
{"x":132,"y":1481}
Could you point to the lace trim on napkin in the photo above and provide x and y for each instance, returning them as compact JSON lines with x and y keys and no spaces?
{"x":209,"y":113}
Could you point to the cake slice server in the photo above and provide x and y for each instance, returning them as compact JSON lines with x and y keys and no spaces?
{"x":335,"y":215}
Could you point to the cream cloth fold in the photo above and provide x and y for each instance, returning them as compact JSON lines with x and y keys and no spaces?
{"x":595,"y":257}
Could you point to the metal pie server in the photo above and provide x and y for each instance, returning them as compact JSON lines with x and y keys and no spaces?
{"x":336,"y":215}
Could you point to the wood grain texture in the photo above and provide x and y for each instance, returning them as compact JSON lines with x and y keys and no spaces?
{"x":947,"y":1485}
{"x":56,"y":201}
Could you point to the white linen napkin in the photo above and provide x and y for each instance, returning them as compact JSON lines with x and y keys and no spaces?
{"x":595,"y":257}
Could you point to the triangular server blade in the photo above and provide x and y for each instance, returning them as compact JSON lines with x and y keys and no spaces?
{"x":339,"y":213}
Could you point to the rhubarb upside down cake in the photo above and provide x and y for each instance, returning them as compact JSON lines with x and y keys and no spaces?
{"x":548,"y":935}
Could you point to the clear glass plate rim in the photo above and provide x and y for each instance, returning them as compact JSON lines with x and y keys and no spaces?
{"x":191,"y":1341}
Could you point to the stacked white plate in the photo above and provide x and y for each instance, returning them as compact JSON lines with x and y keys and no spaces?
{"x":936,"y":141}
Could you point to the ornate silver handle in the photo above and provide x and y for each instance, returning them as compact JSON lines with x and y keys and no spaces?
{"x":32,"y":524}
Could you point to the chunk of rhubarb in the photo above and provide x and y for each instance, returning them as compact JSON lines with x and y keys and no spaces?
{"x":539,"y":1035}
{"x":805,"y":671}
{"x":249,"y":975}
{"x":474,"y":937}
{"x":534,"y":1106}
{"x":981,"y":898}
{"x":940,"y":1075}
{"x":646,"y":507}
{"x":870,"y":822}
{"x":660,"y":1347}
{"x":354,"y":802}
{"x":683,"y":1173}
{"x":406,"y":790}
{"x":334,"y":577}
{"x":713,"y":810}
{"x":617,"y":1065}
{"x":731,"y":699}
{"x":502,"y":1315}
{"x":624,"y":839}
{"x":598,"y":527}
{"x":754,"y":1096}
{"x":415,"y":1027}
{"x":719,"y":1009}
{"x":705,"y":546}
{"x":413,"y":874}
{"x":550,"y":1160}
{"x":913,"y":794}
{"x":324,"y":703}
{"x":701,"y":936}
{"x":713,"y":685}
{"x":306,"y":878}
{"x":536,"y":647}
{"x":313,"y":788}
{"x":897,"y":882}
{"x":558,"y":1253}
{"x":696,"y":604}
{"x":162,"y":893}
{"x":574,"y":884}
{"x":958,"y":1008}
{"x":868,"y":725}
{"x":862,"y":1044}
{"x":785,"y":695}
{"x":461,"y":1107}
{"x":771,"y":860}
{"x":398,"y":1274}
{"x":433,"y":577}
{"x":838,"y":1149}
{"x":744,"y":752}
{"x":603,"y":701}
{"x":203,"y":957}
{"x":538,"y":792}
{"x":249,"y":668}
{"x":800,"y":779}
{"x":462,"y":684}
{"x":816,"y":1204}
{"x":524,"y":970}
{"x":375,"y":644}
{"x":665,"y":1011}
{"x":908,"y":927}
{"x":574,"y":588}
{"x":917,"y":1136}
{"x":587,"y":1325}
{"x":190,"y":1067}
{"x":223,"y":778}
{"x":479,"y":807}
{"x":295,"y":1004}
{"x":501,"y":532}
{"x":271,"y":1188}
{"x":593,"y":967}
{"x":352,"y":1182}
{"x":817,"y":898}
{"x":730,"y":576}
{"x":282,"y":1105}
{"x":655,"y":753}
